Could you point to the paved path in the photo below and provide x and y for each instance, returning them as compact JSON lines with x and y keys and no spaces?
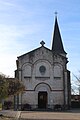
{"x":39,"y":115}
{"x":49,"y":115}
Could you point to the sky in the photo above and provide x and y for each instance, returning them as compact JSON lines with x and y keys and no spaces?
{"x":24,"y":23}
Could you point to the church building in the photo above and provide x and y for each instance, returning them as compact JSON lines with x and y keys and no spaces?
{"x":44,"y":73}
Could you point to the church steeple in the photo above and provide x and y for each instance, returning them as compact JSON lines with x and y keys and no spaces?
{"x":57,"y":45}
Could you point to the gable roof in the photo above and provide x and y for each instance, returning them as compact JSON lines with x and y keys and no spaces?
{"x":34,"y":51}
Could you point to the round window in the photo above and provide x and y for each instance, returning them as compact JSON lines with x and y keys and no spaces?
{"x":42,"y":69}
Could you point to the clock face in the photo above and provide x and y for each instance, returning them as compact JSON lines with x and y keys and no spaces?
{"x":42,"y":69}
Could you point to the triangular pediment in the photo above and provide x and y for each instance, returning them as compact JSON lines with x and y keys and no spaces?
{"x":36,"y":50}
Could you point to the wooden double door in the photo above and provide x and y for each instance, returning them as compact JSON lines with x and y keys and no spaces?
{"x":42,"y":100}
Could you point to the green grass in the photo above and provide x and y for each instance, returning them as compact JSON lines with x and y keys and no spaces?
{"x":0,"y":106}
{"x":7,"y":118}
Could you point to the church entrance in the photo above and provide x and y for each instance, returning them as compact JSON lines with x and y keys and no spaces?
{"x":42,"y":99}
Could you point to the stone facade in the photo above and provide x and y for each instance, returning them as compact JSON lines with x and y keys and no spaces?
{"x":45,"y":77}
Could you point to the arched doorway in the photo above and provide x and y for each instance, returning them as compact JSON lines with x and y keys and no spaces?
{"x":42,"y":95}
{"x":42,"y":99}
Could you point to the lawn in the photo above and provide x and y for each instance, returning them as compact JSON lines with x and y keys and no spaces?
{"x":0,"y":106}
{"x":7,"y":118}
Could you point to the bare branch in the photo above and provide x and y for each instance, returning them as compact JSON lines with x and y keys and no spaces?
{"x":77,"y":78}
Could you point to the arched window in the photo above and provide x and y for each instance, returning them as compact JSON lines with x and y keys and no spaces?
{"x":57,"y":71}
{"x":27,"y":71}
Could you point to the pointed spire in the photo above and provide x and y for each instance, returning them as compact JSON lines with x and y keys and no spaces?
{"x":57,"y":45}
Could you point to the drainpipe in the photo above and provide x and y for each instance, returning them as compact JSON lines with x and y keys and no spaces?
{"x":64,"y":87}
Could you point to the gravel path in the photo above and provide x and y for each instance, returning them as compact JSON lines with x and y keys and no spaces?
{"x":9,"y":115}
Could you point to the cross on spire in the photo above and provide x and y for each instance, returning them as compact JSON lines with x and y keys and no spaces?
{"x":56,"y":13}
{"x":42,"y":43}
